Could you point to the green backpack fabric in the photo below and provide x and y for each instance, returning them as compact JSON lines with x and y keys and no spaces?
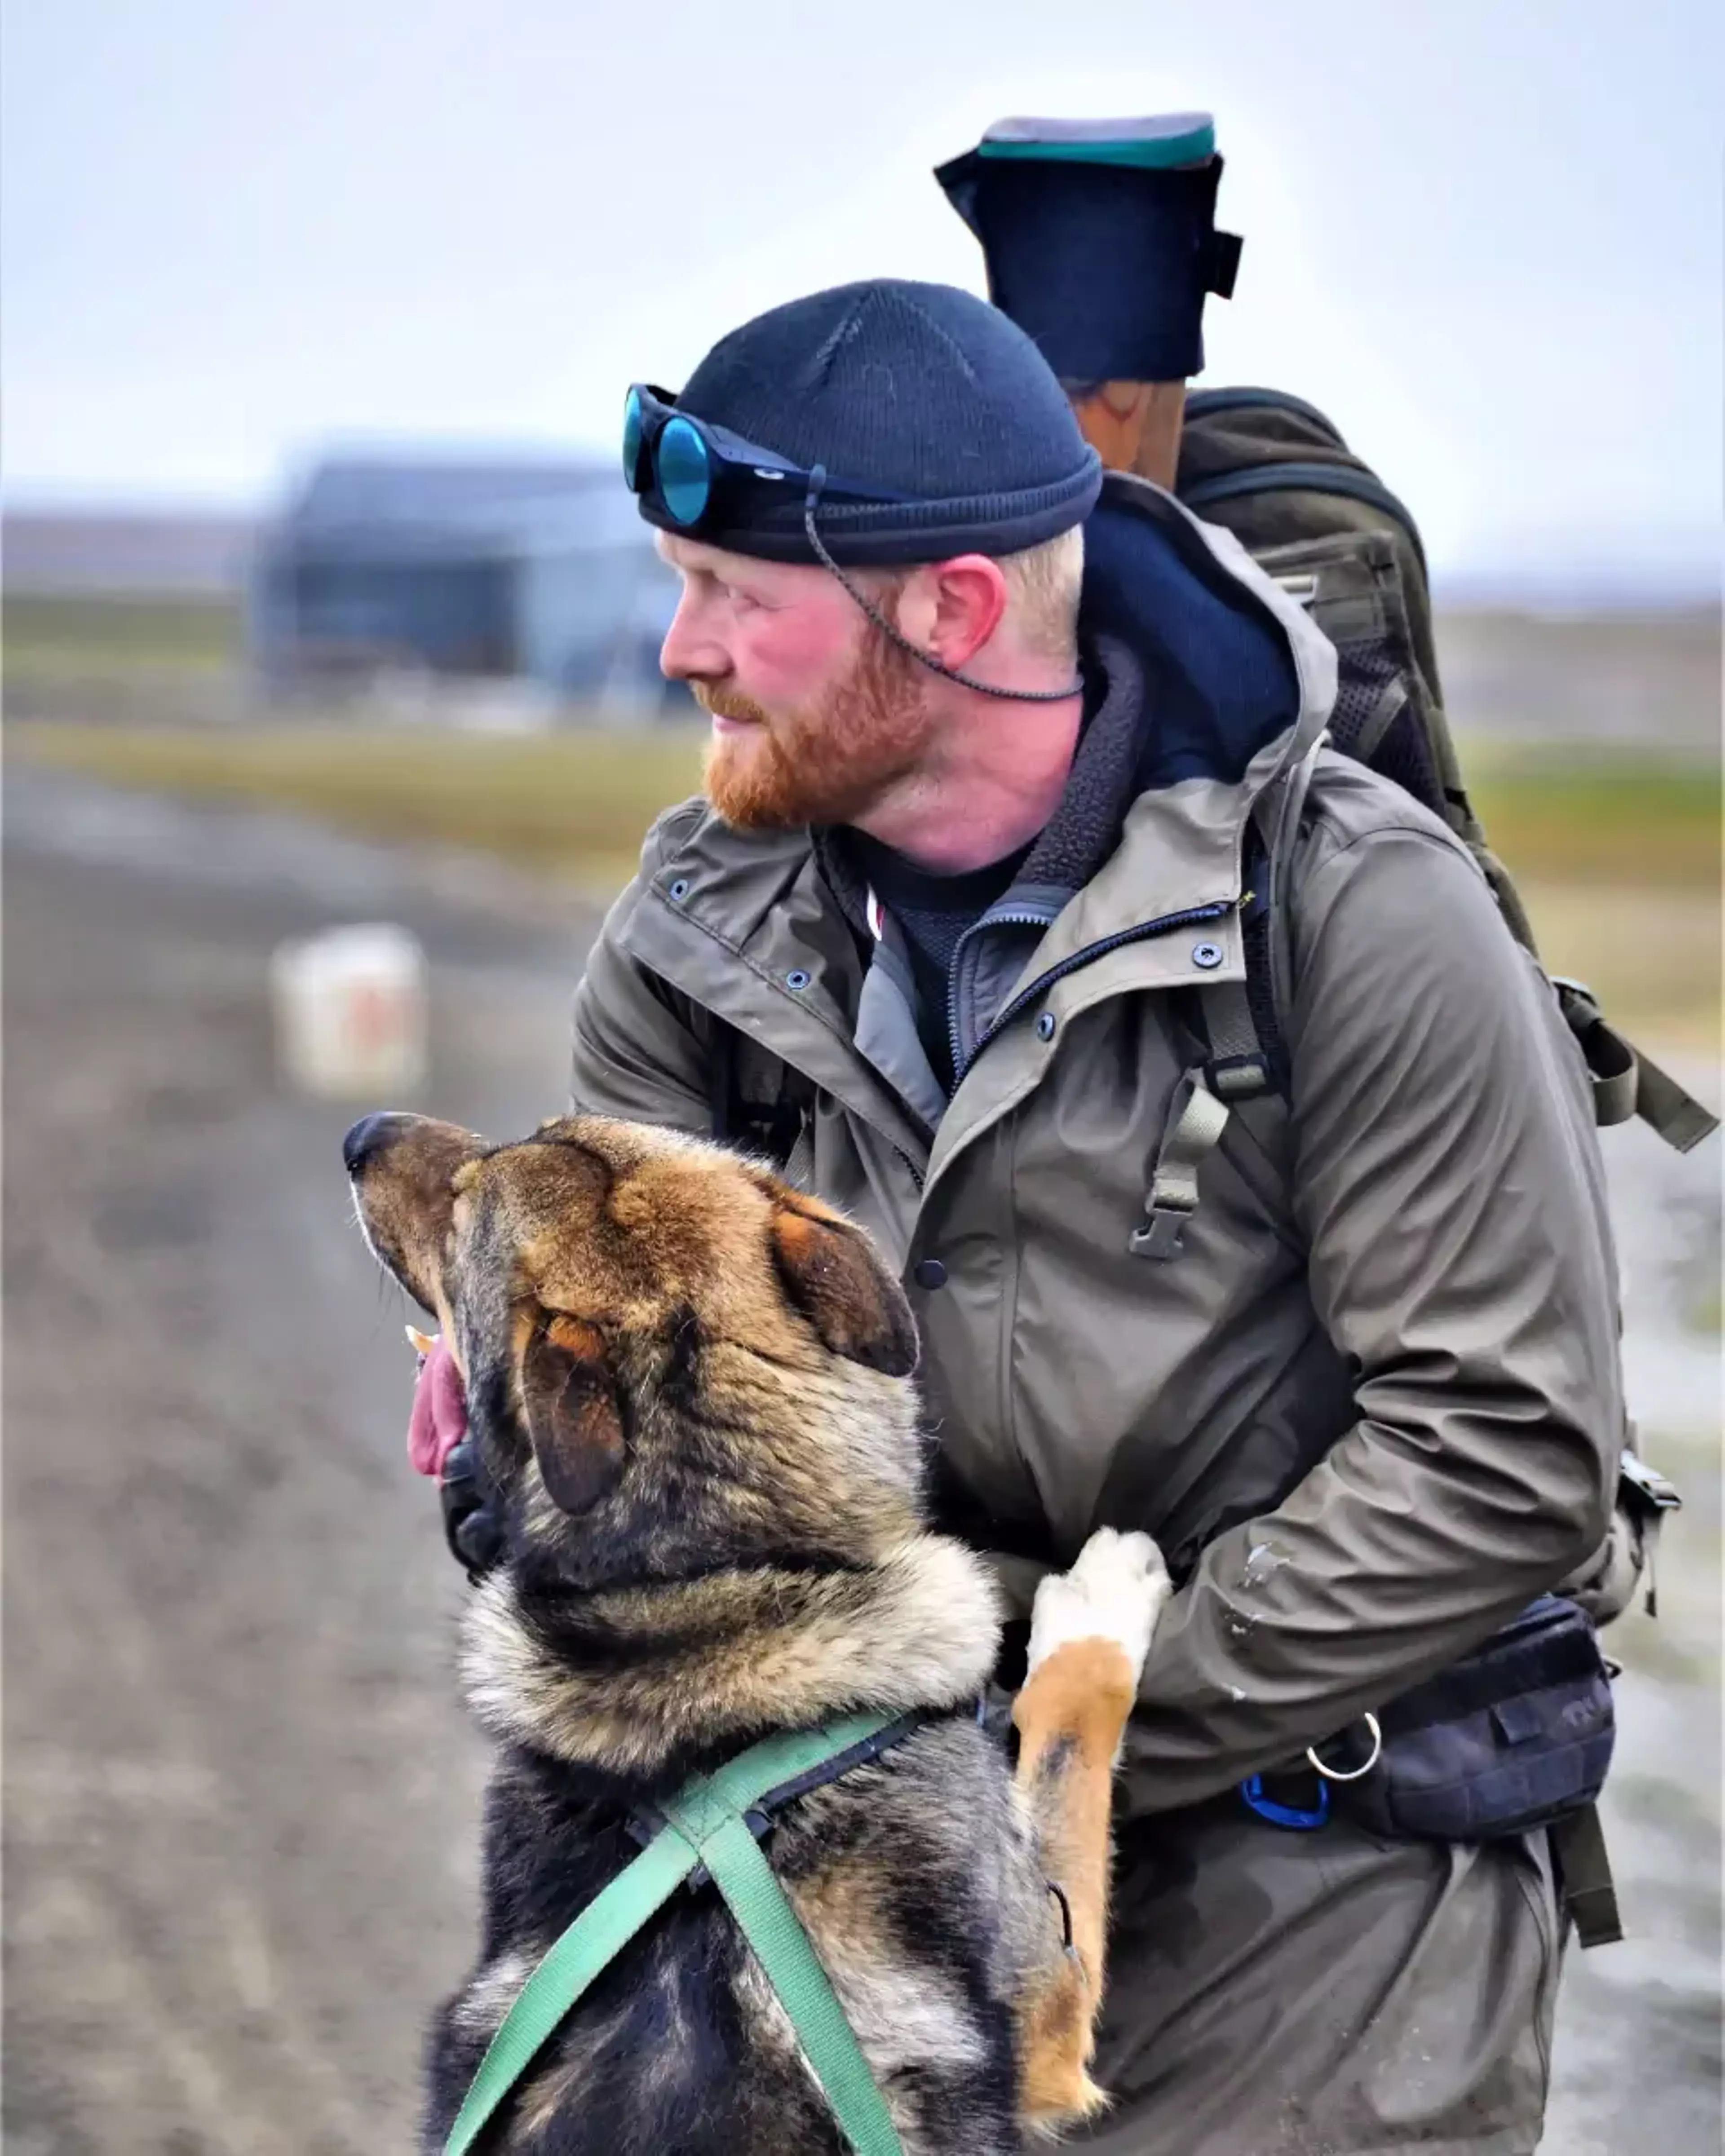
{"x":1273,"y":470}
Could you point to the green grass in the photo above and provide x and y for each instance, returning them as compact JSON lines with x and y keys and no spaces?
{"x":557,"y":797}
{"x":98,"y":633}
{"x":573,"y":803}
{"x":1617,"y":856}
{"x":1600,"y":816}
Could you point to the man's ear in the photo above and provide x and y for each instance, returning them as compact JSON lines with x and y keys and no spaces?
{"x":951,"y":608}
{"x":574,"y":1412}
{"x":833,"y":1276}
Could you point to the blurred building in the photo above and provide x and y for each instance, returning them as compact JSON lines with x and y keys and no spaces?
{"x":538,"y":571}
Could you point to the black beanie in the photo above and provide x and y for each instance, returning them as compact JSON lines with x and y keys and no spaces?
{"x":916,"y":389}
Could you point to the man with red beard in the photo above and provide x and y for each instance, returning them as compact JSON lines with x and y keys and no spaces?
{"x":1000,"y":747}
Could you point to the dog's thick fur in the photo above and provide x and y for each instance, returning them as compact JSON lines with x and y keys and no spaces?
{"x":691,"y":1389}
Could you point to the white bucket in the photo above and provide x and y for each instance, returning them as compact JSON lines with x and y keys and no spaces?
{"x":351,"y":1012}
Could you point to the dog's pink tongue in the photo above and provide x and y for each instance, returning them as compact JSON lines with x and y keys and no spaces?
{"x":439,"y":1422}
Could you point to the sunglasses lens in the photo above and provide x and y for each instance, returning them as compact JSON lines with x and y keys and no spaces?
{"x":632,"y":441}
{"x":685,"y":473}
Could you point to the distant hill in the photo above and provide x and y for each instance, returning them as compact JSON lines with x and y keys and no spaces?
{"x":1650,"y":677}
{"x":140,"y":553}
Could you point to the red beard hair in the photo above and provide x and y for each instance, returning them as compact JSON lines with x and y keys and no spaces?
{"x":827,"y":764}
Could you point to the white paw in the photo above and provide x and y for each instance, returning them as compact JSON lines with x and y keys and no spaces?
{"x":1115,"y":1591}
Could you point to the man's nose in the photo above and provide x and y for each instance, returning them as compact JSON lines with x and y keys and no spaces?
{"x":690,"y":651}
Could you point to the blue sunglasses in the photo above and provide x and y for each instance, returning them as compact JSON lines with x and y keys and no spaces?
{"x":693,"y":468}
{"x":691,"y":465}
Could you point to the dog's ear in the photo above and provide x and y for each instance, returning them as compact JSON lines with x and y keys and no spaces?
{"x":574,"y":1412}
{"x":831,"y":1274}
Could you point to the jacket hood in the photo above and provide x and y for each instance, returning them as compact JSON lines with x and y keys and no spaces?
{"x":1226,"y":679}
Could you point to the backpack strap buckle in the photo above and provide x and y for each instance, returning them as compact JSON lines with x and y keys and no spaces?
{"x":1625,"y":1082}
{"x":1610,"y":1059}
{"x":1197,"y":1119}
{"x":1238,"y":1077}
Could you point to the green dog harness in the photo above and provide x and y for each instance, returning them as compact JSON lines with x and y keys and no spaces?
{"x":712,"y":1827}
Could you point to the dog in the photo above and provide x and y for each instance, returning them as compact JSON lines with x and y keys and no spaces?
{"x":691,"y":1390}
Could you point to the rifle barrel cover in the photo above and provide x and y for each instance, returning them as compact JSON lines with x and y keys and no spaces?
{"x":1100,"y":239}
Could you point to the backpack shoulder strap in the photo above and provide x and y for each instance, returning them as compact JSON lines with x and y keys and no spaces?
{"x":759,"y":1103}
{"x":1236,"y":1026}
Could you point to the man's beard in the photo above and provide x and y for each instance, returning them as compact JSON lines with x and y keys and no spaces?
{"x":830,"y":763}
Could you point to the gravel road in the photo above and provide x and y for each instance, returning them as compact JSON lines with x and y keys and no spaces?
{"x":240,"y":1797}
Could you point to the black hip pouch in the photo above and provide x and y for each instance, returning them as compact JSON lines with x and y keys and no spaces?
{"x":1517,"y":1735}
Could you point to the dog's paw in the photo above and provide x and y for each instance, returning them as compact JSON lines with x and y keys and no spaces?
{"x":1116,"y":1591}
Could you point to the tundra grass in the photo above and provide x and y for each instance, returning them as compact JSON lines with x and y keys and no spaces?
{"x":92,"y":634}
{"x":1618,"y":853}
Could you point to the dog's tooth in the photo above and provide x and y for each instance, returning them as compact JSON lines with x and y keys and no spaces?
{"x":422,"y":1342}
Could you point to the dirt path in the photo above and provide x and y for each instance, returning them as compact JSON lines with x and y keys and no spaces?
{"x":240,"y":1798}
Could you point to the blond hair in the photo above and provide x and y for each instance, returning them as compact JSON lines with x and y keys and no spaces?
{"x":1042,"y":585}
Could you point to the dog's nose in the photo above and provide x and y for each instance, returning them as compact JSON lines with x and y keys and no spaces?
{"x":368,"y":1137}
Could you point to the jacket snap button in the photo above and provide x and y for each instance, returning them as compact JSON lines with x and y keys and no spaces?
{"x":796,"y":979}
{"x":1206,"y":955}
{"x":1045,"y":1026}
{"x":931,"y":1273}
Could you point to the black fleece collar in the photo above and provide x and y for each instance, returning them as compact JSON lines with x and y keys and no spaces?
{"x":1085,"y":827}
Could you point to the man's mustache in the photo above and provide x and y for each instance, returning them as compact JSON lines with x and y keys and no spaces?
{"x":720,"y":702}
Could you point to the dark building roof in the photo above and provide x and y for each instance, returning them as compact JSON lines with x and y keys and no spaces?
{"x":440,"y":504}
{"x":403,"y":489}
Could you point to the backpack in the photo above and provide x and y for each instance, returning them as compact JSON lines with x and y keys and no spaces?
{"x":1273,"y":470}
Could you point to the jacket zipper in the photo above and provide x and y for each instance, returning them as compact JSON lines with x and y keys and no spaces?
{"x":1039,"y":987}
{"x":993,"y":920}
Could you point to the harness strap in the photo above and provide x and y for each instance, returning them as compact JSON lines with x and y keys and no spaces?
{"x":591,"y":1943}
{"x":707,"y":1825}
{"x":771,"y":1927}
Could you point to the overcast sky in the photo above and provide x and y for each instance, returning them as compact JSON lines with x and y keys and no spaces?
{"x":1486,"y":235}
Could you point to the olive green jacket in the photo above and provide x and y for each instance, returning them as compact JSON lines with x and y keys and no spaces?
{"x":1374,"y":1406}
